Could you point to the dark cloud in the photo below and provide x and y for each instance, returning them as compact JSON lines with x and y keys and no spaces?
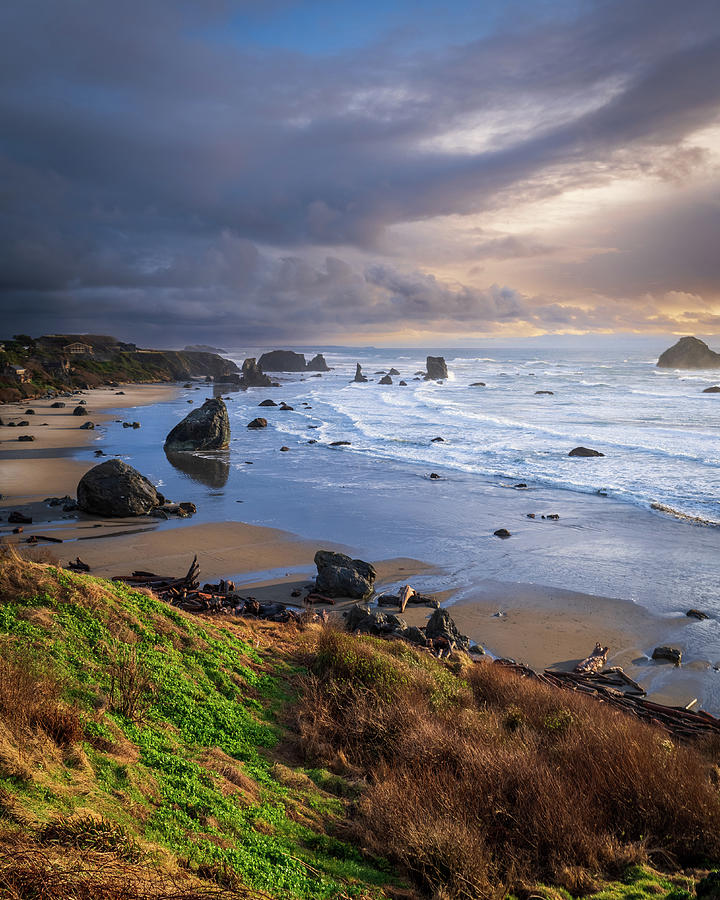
{"x":147,"y":151}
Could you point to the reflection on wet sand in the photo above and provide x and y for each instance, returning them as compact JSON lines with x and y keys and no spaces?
{"x":211,"y":470}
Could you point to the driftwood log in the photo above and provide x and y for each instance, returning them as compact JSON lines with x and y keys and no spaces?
{"x":405,"y":594}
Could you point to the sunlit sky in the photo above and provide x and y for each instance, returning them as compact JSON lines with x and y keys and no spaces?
{"x":346,"y":172}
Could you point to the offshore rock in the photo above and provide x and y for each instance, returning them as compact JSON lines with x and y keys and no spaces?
{"x":358,"y":374}
{"x":116,"y":489}
{"x":258,"y":423}
{"x":252,"y":375}
{"x":386,"y":379}
{"x":283,"y":361}
{"x":585,"y":451}
{"x":206,"y":428}
{"x":436,"y":368}
{"x":689,"y":353}
{"x":318,"y":364}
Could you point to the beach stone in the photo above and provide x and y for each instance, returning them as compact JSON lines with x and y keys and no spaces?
{"x":689,"y":353}
{"x":267,"y":403}
{"x":670,"y":653}
{"x":206,"y":428}
{"x":436,"y":368}
{"x":282,"y":361}
{"x":114,"y":488}
{"x":712,"y":390}
{"x":31,"y":412}
{"x":359,"y":377}
{"x":402,"y":383}
{"x":502,"y":533}
{"x":17,"y":518}
{"x":251,"y":375}
{"x":386,"y":379}
{"x":284,"y":407}
{"x":57,"y":405}
{"x":697,"y":614}
{"x":284,"y":449}
{"x":258,"y":423}
{"x":547,"y":393}
{"x":340,"y":444}
{"x":478,"y":384}
{"x":26,"y":437}
{"x":340,"y":576}
{"x":440,"y":626}
{"x":80,"y":411}
{"x":434,"y":476}
{"x":317,"y":364}
{"x":87,"y":426}
{"x":23,"y":423}
{"x":584,"y":451}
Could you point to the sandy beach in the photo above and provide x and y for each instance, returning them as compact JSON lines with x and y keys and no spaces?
{"x":542,"y":626}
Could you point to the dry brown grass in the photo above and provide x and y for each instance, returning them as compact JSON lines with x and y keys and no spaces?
{"x":486,"y":781}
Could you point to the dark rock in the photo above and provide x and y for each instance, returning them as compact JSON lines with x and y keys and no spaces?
{"x":548,"y":393}
{"x":436,"y":368}
{"x":258,"y":423}
{"x":585,"y":451}
{"x":267,"y":403}
{"x":340,"y":576}
{"x":188,"y":507}
{"x":434,"y":475}
{"x":554,"y":517}
{"x":689,"y":353}
{"x":116,"y":489}
{"x":29,"y":412}
{"x":358,"y":374}
{"x":23,"y":423}
{"x":402,"y":383}
{"x":531,"y":515}
{"x":438,"y":440}
{"x":440,"y":626}
{"x":312,"y":441}
{"x":697,"y":614}
{"x":252,"y":375}
{"x":340,"y":444}
{"x":82,"y":402}
{"x":12,"y":424}
{"x":71,"y":506}
{"x":502,"y":533}
{"x":670,"y":653}
{"x":87,"y":426}
{"x":419,"y":373}
{"x":17,"y":518}
{"x":393,"y":372}
{"x":284,"y":449}
{"x":415,"y":635}
{"x":206,"y":428}
{"x":80,"y":411}
{"x":57,"y":405}
{"x":285,"y":408}
{"x":26,"y":437}
{"x":99,"y":453}
{"x":282,"y":361}
{"x":127,"y":424}
{"x":712,"y":390}
{"x":317,"y":364}
{"x":478,"y":384}
{"x":521,"y":485}
{"x":386,"y":379}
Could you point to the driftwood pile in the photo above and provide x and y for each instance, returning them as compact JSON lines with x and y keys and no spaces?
{"x":220,"y":598}
{"x":614,"y":687}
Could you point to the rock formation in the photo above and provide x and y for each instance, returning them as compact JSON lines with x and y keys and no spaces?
{"x":252,"y":375}
{"x":358,"y":374}
{"x":206,"y":428}
{"x":689,"y":353}
{"x":282,"y":361}
{"x":440,"y":627}
{"x":317,"y":364}
{"x":584,"y":451}
{"x":436,"y":368}
{"x":116,"y":489}
{"x":340,"y":576}
{"x":386,"y":379}
{"x":258,"y":423}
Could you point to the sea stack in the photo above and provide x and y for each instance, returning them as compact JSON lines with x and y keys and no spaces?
{"x":252,"y":375}
{"x":282,"y":361}
{"x":358,"y":373}
{"x":206,"y":428}
{"x":436,"y":368}
{"x":689,"y":353}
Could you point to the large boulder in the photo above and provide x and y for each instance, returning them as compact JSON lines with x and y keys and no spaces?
{"x":436,"y":368}
{"x":116,"y":489}
{"x":585,"y":451}
{"x":282,"y":361}
{"x":386,"y":379}
{"x":206,"y":428}
{"x":340,"y":576}
{"x":689,"y":353}
{"x":318,"y":364}
{"x":440,"y":627}
{"x":252,"y":375}
{"x":358,"y":374}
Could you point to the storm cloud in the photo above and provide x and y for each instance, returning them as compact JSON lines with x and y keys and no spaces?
{"x":162,"y":167}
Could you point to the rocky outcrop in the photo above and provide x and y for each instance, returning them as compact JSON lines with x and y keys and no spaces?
{"x":116,"y":489}
{"x":386,"y":379}
{"x":340,"y":576}
{"x":689,"y":353}
{"x":252,"y":375}
{"x":436,"y":368}
{"x":712,"y":390}
{"x":317,"y":364}
{"x":672,"y":654}
{"x":206,"y":428}
{"x":441,"y":628}
{"x":283,"y":361}
{"x":585,"y":451}
{"x":359,"y":377}
{"x":258,"y":423}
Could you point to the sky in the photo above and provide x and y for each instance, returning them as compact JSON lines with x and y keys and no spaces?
{"x":332,"y":171}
